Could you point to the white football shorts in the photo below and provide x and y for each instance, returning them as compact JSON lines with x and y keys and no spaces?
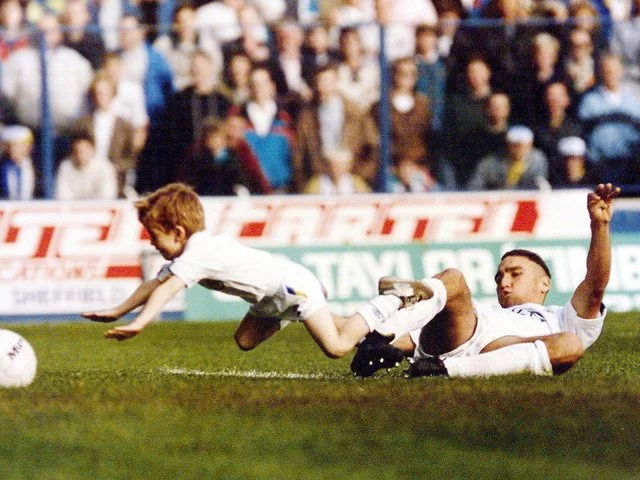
{"x":495,"y":322}
{"x":298,"y":297}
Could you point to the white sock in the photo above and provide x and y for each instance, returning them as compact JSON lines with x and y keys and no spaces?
{"x":416,"y":317}
{"x":379,"y":309}
{"x":518,"y":358}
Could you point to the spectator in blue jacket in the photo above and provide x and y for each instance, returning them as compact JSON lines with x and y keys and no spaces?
{"x":268,"y":130}
{"x":611,"y":116}
{"x":143,"y":64}
{"x":17,"y":175}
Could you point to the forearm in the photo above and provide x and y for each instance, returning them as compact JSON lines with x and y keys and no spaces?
{"x":138,"y":297}
{"x":588,"y":296}
{"x":159,"y":297}
{"x":599,"y":257}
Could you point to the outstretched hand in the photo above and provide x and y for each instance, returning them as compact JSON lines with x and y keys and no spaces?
{"x":103,"y":316}
{"x":122,"y":333}
{"x":600,"y":202}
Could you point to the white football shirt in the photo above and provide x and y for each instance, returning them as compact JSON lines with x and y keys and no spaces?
{"x":221,"y":263}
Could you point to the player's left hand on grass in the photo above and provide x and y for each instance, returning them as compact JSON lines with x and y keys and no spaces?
{"x":122,"y":333}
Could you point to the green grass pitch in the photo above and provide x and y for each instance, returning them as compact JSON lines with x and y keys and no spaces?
{"x":180,"y":401}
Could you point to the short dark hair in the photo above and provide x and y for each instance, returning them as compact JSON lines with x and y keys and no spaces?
{"x":328,"y":67}
{"x":534,"y":257}
{"x":426,"y":28}
{"x":82,"y":135}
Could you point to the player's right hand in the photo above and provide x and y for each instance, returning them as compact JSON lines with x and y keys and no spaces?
{"x":103,"y":316}
{"x":122,"y":333}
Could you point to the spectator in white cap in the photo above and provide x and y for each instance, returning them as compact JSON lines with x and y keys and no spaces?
{"x":17,"y":177}
{"x":520,"y":167}
{"x":572,"y":164}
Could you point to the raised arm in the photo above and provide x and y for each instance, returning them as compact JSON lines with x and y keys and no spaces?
{"x":588,"y":296}
{"x":158,"y":299}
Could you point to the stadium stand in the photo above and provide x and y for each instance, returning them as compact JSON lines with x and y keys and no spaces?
{"x":452,"y":77}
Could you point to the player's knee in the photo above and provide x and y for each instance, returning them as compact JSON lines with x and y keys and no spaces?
{"x":244,"y":342}
{"x":335,"y":351}
{"x":455,"y":283}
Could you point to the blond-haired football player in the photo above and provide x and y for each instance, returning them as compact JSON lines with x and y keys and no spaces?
{"x":277,"y":289}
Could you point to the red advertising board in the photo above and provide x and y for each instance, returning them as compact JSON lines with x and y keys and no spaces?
{"x":64,"y":257}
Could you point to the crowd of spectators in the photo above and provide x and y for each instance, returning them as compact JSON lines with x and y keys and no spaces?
{"x":244,"y":97}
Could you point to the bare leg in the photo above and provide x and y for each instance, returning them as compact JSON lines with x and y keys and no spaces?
{"x":252,"y":331}
{"x":336,"y":342}
{"x":456,"y":323}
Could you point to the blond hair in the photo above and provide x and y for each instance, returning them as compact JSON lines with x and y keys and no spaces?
{"x":545,"y":39}
{"x":173,"y":205}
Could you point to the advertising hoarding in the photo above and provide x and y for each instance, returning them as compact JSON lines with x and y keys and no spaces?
{"x":60,"y":258}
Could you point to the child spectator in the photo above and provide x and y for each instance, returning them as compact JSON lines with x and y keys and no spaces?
{"x":215,"y":169}
{"x":84,"y":175}
{"x":410,"y":175}
{"x":17,"y":177}
{"x":235,"y":127}
{"x":339,"y":180}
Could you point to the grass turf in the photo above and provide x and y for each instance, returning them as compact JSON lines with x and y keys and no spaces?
{"x":105,"y":410}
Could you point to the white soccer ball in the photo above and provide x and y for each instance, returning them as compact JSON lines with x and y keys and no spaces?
{"x":18,"y":361}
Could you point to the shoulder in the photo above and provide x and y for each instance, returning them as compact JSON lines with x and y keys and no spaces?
{"x":122,"y":126}
{"x":155,"y":57}
{"x":103,"y":165}
{"x":360,"y":184}
{"x":69,"y":54}
{"x":538,"y":157}
{"x":351,"y":110}
{"x":422,"y":100}
{"x":313,"y":185}
{"x":163,"y":44}
{"x":216,"y":8}
{"x":490,"y":160}
{"x":23,"y":55}
{"x":65,"y":166}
